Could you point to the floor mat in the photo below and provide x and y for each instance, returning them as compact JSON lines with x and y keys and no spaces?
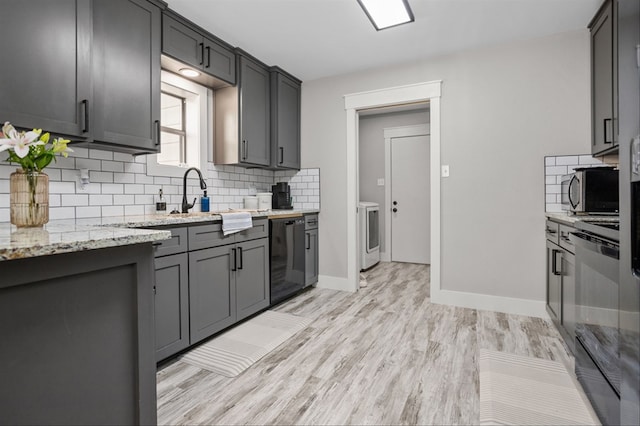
{"x":232,"y":352}
{"x":519,"y":390}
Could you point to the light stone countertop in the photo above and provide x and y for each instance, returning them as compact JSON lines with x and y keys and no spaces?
{"x":572,"y":219}
{"x":66,"y":236}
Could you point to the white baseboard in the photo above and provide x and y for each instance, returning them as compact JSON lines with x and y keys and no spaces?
{"x":484,"y":302}
{"x":334,"y":283}
{"x":385,"y":257}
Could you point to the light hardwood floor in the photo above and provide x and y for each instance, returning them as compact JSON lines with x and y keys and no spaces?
{"x":384,"y":355}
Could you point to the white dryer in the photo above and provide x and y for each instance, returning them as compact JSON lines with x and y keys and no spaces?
{"x":369,"y":214}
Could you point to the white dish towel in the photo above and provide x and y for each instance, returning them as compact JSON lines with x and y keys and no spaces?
{"x":235,"y":222}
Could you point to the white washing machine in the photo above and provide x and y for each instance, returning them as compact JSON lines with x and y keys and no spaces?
{"x":369,"y":214}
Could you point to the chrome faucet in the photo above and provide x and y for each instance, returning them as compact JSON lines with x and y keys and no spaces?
{"x":203,"y":185}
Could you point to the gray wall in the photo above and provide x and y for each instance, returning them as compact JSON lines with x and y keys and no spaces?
{"x":371,"y":155}
{"x":503,"y":109}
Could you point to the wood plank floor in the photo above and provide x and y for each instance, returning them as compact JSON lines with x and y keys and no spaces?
{"x":384,"y":355}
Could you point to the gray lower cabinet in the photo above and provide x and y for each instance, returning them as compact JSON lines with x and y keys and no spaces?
{"x":171,"y":304}
{"x":561,"y":281}
{"x":285,"y":120}
{"x":46,"y":74}
{"x":311,"y":250}
{"x":206,"y":282}
{"x":212,"y":291}
{"x":77,"y":338}
{"x":252,"y":277}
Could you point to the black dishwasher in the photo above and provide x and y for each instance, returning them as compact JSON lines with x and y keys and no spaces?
{"x":287,"y":253}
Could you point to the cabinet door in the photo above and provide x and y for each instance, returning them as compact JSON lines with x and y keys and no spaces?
{"x":602,"y":80}
{"x":182,"y":42}
{"x":212,"y":293}
{"x":252,"y":277}
{"x":254,"y":113}
{"x":46,"y":51}
{"x":568,"y":268}
{"x":126,"y":74}
{"x":554,"y":282}
{"x":219,"y":61}
{"x":285,"y":122}
{"x":171,"y":305}
{"x":311,"y":257}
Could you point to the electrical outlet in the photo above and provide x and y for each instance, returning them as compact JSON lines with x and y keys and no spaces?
{"x":445,"y":171}
{"x":381,"y":182}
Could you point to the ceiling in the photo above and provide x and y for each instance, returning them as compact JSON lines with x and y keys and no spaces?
{"x":319,"y":38}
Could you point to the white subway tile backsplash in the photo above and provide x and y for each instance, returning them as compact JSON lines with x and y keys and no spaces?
{"x":556,"y":170}
{"x":119,"y":185}
{"x":100,"y":200}
{"x":91,"y":211}
{"x":75,"y":199}
{"x":112,"y":210}
{"x":112,"y":188}
{"x":566,"y":160}
{"x":100,"y":155}
{"x":62,"y":187}
{"x":105,"y":177}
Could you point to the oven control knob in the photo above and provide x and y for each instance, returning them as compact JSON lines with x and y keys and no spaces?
{"x":395,"y":210}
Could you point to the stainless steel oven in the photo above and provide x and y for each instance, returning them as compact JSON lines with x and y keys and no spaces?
{"x":597,"y":328}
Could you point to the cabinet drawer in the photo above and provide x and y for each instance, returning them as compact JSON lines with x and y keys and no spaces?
{"x":551,"y":231}
{"x":260,"y":230}
{"x":563,"y":238}
{"x":311,"y":221}
{"x":207,"y":236}
{"x":177,"y":243}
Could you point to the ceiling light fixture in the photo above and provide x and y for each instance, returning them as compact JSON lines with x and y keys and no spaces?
{"x":387,"y":13}
{"x":188,"y":72}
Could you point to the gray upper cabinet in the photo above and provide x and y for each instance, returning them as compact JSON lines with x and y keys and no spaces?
{"x":604,"y":89}
{"x":189,"y":45}
{"x":285,"y":120}
{"x":242,"y":116}
{"x":126,"y":110}
{"x":46,"y":75}
{"x":254,"y":112}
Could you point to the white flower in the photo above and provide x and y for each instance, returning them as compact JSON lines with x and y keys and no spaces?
{"x":19,"y":141}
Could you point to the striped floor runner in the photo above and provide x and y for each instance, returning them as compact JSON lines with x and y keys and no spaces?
{"x":232,"y":352}
{"x":518,"y":390}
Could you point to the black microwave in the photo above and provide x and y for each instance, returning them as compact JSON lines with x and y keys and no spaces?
{"x":591,"y":190}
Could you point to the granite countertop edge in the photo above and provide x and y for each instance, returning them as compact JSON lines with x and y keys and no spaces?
{"x":570,"y":220}
{"x":74,"y":235}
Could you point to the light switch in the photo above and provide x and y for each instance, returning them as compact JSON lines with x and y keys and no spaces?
{"x":381,"y":182}
{"x":445,"y":171}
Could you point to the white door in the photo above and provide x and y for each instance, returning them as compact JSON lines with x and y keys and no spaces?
{"x":410,"y":200}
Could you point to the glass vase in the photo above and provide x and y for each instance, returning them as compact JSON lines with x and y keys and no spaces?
{"x":29,"y":198}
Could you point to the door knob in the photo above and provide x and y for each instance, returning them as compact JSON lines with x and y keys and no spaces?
{"x":394,"y":210}
{"x":395,"y":203}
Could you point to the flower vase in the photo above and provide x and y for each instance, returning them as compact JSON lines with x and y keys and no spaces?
{"x":29,"y":198}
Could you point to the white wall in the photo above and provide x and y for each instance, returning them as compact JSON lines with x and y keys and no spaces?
{"x":503,"y":110}
{"x":371,"y":155}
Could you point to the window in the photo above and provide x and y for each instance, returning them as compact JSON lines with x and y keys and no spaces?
{"x":173,"y":130}
{"x":185,"y":127}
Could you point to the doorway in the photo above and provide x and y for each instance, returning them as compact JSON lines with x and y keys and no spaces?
{"x":354,"y":104}
{"x":407,"y":160}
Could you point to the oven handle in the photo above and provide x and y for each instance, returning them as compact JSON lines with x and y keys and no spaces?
{"x":594,"y":244}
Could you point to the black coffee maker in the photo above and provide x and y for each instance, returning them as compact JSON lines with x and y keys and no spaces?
{"x":281,"y":196}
